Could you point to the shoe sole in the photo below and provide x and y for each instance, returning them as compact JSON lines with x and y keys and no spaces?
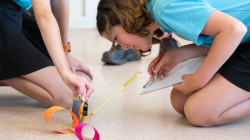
{"x":113,"y":62}
{"x":118,"y":62}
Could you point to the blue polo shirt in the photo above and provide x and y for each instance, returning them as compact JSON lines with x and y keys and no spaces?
{"x":25,"y":4}
{"x":187,"y":18}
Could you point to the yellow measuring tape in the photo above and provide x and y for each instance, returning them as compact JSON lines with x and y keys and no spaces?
{"x":111,"y":97}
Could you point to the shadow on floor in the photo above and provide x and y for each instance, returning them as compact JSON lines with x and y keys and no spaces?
{"x":21,"y":100}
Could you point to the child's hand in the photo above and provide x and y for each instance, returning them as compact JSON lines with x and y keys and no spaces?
{"x":76,"y":82}
{"x":168,"y":61}
{"x":76,"y":65}
{"x":189,"y":84}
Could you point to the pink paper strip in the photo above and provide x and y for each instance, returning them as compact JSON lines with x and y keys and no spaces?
{"x":78,"y":131}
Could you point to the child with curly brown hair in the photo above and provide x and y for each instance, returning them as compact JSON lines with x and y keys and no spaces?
{"x":219,"y":91}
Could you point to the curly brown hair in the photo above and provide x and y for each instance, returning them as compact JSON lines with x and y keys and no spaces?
{"x":131,"y":14}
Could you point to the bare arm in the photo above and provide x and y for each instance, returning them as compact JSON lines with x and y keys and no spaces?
{"x":228,"y":33}
{"x":50,"y":33}
{"x":60,"y":9}
{"x":51,"y":36}
{"x":175,"y":56}
{"x":192,"y":51}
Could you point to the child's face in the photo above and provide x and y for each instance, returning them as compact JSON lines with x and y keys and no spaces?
{"x":127,"y":40}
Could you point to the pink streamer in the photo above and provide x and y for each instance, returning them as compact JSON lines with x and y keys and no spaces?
{"x":78,"y":131}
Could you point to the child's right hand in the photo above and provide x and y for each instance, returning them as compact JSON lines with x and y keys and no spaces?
{"x":168,"y":61}
{"x":76,"y":82}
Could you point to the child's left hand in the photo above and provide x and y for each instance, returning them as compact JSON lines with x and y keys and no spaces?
{"x":189,"y":84}
{"x":76,"y":65}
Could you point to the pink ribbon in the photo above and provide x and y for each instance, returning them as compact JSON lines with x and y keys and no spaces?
{"x":78,"y":131}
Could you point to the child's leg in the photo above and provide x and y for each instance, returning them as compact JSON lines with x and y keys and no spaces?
{"x":217,"y":103}
{"x":2,"y":84}
{"x":178,"y":100}
{"x":80,"y":73}
{"x":45,"y":85}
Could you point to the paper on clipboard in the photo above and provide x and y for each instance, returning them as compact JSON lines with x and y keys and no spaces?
{"x":174,"y":76}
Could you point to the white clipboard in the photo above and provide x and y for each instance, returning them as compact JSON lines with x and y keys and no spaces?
{"x":174,"y":76}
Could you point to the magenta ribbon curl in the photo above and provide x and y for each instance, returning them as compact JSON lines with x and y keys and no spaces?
{"x":78,"y":131}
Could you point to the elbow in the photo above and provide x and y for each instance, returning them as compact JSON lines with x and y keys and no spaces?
{"x":242,"y":29}
{"x":239,"y":29}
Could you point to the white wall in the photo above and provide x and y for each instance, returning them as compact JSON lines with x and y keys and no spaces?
{"x":77,"y":19}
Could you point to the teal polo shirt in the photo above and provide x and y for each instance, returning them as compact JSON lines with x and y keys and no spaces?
{"x":187,"y":18}
{"x":25,"y":4}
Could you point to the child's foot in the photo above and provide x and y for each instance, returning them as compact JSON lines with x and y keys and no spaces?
{"x":120,"y":56}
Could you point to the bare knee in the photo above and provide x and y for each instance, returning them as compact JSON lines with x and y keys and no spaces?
{"x":197,"y":115}
{"x":66,"y":103}
{"x":63,"y":103}
{"x":63,"y":99}
{"x":2,"y":84}
{"x":80,"y":73}
{"x":178,"y":100}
